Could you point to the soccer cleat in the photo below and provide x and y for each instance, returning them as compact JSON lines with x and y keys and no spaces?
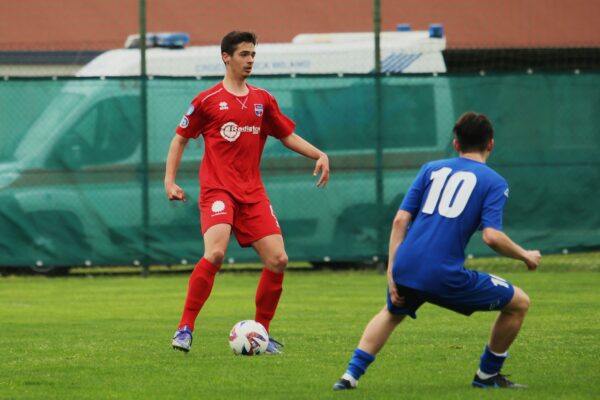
{"x":496,"y":381}
{"x":182,"y":340}
{"x":274,"y":347}
{"x":343,"y":384}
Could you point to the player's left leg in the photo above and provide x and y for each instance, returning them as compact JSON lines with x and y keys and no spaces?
{"x":272,"y":252}
{"x":375,"y":336}
{"x":378,"y":331}
{"x":256,"y":225}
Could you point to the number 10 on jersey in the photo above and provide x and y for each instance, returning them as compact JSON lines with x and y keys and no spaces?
{"x":454,"y":192}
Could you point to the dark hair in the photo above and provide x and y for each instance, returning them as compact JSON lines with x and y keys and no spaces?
{"x":473,"y":132}
{"x":232,"y":39}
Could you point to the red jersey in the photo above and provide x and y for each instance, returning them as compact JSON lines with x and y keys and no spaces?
{"x":235,"y":130}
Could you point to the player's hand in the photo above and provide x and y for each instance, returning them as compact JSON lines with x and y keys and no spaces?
{"x":322,"y":166}
{"x":395,"y":297}
{"x":532,"y":259}
{"x":174,"y":192}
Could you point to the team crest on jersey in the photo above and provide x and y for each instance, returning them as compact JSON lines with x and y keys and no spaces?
{"x":258,"y":110}
{"x":184,"y":122}
{"x":223,"y":106}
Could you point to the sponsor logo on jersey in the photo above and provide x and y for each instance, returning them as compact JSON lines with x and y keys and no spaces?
{"x":258,"y":110}
{"x":231,"y":132}
{"x":223,"y":106}
{"x":190,"y":110}
{"x":218,"y":208}
{"x":506,"y":192}
{"x":184,"y":122}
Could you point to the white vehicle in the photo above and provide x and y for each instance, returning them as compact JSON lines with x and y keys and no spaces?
{"x":340,"y":53}
{"x":77,"y":168}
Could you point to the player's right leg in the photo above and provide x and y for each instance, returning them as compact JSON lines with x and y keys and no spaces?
{"x":504,"y":331}
{"x":509,"y":322}
{"x":216,"y":239}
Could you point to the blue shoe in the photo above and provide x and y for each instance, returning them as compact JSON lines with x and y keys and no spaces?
{"x":182,"y":340}
{"x":274,"y":347}
{"x":496,"y":381}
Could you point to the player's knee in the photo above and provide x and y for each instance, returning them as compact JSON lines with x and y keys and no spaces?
{"x":525,"y":302}
{"x":520,"y":302}
{"x":278,"y":262}
{"x":215,"y":256}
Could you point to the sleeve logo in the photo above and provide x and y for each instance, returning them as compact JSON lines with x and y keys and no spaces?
{"x":184,"y":122}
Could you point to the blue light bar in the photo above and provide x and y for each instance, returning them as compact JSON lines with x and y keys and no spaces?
{"x":171,"y":40}
{"x":436,"y":31}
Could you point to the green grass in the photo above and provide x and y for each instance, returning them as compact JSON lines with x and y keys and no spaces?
{"x":109,"y":337}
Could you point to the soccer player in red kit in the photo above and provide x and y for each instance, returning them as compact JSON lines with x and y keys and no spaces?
{"x":234,"y":119}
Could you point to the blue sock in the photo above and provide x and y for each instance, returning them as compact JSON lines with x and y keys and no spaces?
{"x":359,"y":363}
{"x":491,"y":363}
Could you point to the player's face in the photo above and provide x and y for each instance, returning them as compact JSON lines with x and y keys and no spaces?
{"x":240,"y":63}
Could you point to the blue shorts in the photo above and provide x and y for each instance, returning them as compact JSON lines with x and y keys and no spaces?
{"x":488,"y":293}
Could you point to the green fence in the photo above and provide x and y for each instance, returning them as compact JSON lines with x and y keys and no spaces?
{"x":72,"y":177}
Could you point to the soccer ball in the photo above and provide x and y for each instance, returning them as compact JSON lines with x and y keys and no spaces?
{"x":248,"y":338}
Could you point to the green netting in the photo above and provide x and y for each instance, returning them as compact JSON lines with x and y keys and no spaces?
{"x":72,"y":177}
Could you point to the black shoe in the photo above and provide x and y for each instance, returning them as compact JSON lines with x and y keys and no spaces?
{"x":496,"y":381}
{"x":343,"y":384}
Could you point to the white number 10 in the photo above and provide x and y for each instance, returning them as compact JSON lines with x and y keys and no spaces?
{"x":455,"y":194}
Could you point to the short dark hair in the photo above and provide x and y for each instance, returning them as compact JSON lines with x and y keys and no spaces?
{"x":232,"y":39}
{"x":473,"y":131}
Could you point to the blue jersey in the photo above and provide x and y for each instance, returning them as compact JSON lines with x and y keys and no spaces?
{"x":449,"y":200}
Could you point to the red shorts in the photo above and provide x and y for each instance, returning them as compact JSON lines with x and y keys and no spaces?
{"x":250,"y":222}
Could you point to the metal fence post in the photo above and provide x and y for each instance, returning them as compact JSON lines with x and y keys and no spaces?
{"x":144,"y":125}
{"x":378,"y":132}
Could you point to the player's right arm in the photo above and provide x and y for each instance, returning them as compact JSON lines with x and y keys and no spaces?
{"x":190,"y":127}
{"x":501,"y":243}
{"x":399,"y":228}
{"x":174,"y":192}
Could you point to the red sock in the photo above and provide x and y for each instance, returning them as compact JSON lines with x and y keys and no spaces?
{"x":199,"y":287}
{"x":267,"y":296}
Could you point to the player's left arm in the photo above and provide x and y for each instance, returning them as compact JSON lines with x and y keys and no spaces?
{"x":301,"y":146}
{"x":399,"y":227}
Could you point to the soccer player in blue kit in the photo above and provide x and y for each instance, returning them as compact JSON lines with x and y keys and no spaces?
{"x":448,"y":201}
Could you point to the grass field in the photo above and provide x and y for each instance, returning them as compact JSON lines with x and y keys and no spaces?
{"x":108,"y":337}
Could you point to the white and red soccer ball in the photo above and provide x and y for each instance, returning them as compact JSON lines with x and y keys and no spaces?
{"x":248,"y":338}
